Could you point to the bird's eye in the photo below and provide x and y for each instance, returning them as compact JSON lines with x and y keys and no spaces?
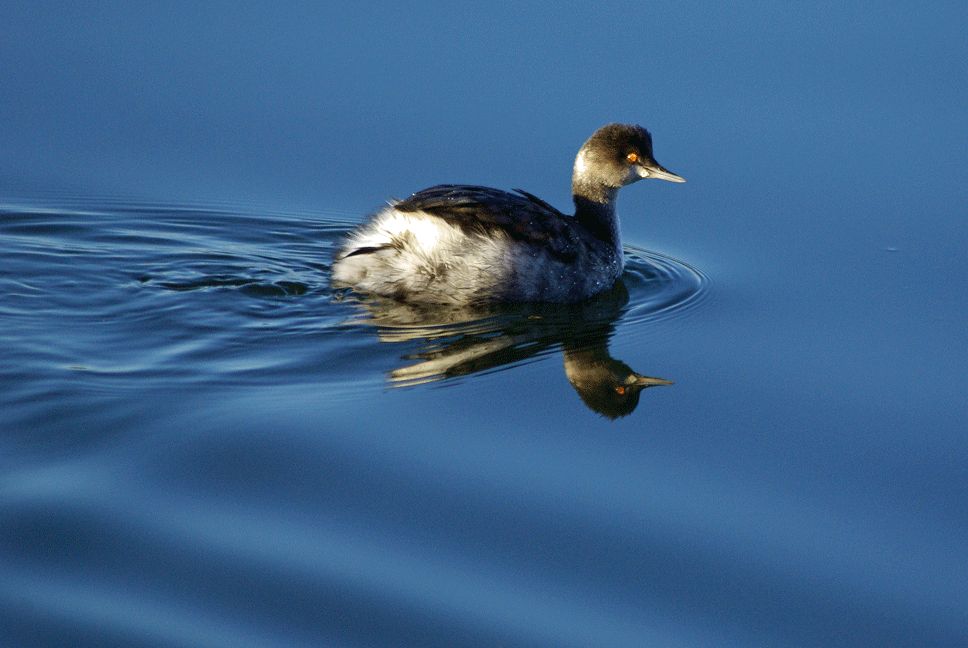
{"x":633,"y":157}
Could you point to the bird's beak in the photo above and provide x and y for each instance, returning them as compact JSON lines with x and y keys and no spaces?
{"x":659,"y":172}
{"x":644,"y":381}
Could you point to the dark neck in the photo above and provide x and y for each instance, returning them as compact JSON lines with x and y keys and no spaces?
{"x":595,"y":210}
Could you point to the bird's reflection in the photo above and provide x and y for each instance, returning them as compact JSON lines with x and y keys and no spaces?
{"x":458,"y":341}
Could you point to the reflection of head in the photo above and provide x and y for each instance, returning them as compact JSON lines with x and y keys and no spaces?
{"x":606,"y":385}
{"x":458,"y":341}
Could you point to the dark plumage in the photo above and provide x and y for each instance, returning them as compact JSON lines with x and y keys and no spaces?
{"x":483,"y":210}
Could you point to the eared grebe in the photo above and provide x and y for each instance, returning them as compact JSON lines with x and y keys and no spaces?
{"x":462,"y":244}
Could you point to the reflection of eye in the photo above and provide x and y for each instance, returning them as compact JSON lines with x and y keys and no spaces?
{"x":633,"y":157}
{"x":621,"y":390}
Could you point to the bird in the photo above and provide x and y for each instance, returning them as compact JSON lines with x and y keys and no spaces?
{"x":469,"y":244}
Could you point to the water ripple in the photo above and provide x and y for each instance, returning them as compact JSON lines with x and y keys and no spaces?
{"x":661,"y":287}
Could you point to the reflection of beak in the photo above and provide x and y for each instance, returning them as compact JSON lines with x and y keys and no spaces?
{"x":644,"y":381}
{"x":659,"y":172}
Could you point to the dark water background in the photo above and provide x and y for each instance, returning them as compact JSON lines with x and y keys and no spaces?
{"x":202,"y":445}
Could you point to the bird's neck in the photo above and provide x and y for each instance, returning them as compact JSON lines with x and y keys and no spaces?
{"x":595,"y":210}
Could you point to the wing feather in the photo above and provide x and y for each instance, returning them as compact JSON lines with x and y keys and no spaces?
{"x":479,"y":210}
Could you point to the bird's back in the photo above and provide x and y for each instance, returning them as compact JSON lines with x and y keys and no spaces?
{"x":486,"y":211}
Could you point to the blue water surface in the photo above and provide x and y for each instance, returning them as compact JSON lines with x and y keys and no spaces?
{"x":203,"y":444}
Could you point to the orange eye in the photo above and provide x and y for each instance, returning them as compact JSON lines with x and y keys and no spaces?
{"x":633,"y":157}
{"x":621,"y":390}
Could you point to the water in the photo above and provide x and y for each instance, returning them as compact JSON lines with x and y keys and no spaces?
{"x":201,"y":444}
